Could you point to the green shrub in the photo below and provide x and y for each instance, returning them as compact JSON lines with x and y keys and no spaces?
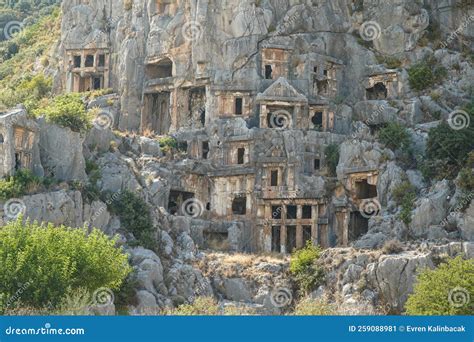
{"x":401,"y":190}
{"x":304,"y":268}
{"x":405,"y":196}
{"x":18,"y":185}
{"x":447,"y":149}
{"x":390,"y":62}
{"x":425,"y":74}
{"x":135,"y":217}
{"x":466,"y":175}
{"x":52,"y":261}
{"x":441,"y":291}
{"x":312,"y":307}
{"x":67,"y":111}
{"x":168,"y":144}
{"x":75,"y":303}
{"x":332,"y":158}
{"x":395,"y":136}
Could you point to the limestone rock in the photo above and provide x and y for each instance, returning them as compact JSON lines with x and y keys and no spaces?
{"x":394,"y":276}
{"x":466,"y":226}
{"x":431,"y":210}
{"x":59,"y":207}
{"x":61,"y":152}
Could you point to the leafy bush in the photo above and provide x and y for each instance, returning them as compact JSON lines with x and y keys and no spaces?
{"x":390,"y":62}
{"x":311,"y":307}
{"x":168,"y":143}
{"x":425,"y":74}
{"x":134,"y":214}
{"x":466,"y":175}
{"x":447,"y":149}
{"x":68,"y":111}
{"x":18,"y":185}
{"x":52,"y":261}
{"x":395,"y":136}
{"x":304,"y":269}
{"x":332,"y":158}
{"x":405,"y":195}
{"x":401,"y":190}
{"x":445,"y":290}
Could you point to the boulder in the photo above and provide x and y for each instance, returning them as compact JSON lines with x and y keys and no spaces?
{"x":394,"y":275}
{"x":430,"y":210}
{"x":61,"y":152}
{"x":236,"y":290}
{"x":59,"y":207}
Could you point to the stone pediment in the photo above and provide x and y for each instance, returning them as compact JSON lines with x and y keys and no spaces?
{"x":276,"y":154}
{"x":282,"y":90}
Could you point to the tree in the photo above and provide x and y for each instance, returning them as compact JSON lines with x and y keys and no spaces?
{"x":304,"y":268}
{"x":447,"y":149}
{"x":395,"y":136}
{"x":446,"y":290}
{"x":332,"y":158}
{"x":41,"y":264}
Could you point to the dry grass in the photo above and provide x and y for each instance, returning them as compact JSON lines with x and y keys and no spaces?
{"x":147,"y":132}
{"x":239,"y":265}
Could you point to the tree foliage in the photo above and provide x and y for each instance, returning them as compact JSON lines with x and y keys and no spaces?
{"x":68,"y":111}
{"x":332,"y":158}
{"x":426,"y":73}
{"x":395,"y":136}
{"x":446,"y":290}
{"x":304,"y":268}
{"x":447,"y":149}
{"x":49,"y":262}
{"x":135,"y":216}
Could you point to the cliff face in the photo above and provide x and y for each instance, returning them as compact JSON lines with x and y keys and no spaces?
{"x":223,"y":40}
{"x":254,"y":126}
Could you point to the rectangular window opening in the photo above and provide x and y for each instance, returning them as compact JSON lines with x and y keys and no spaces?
{"x":274,"y":178}
{"x":307,"y":212}
{"x":89,"y":61}
{"x":239,"y":106}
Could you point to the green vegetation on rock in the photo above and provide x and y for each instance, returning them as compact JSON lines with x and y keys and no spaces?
{"x":446,"y":290}
{"x":448,"y":149}
{"x":304,"y":268}
{"x":23,"y":60}
{"x":332,"y":158}
{"x":49,"y":262}
{"x":135,"y":217}
{"x":425,"y":74}
{"x":67,"y":111}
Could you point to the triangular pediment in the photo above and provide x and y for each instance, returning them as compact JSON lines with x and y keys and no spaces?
{"x":276,"y":152}
{"x":281,"y":90}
